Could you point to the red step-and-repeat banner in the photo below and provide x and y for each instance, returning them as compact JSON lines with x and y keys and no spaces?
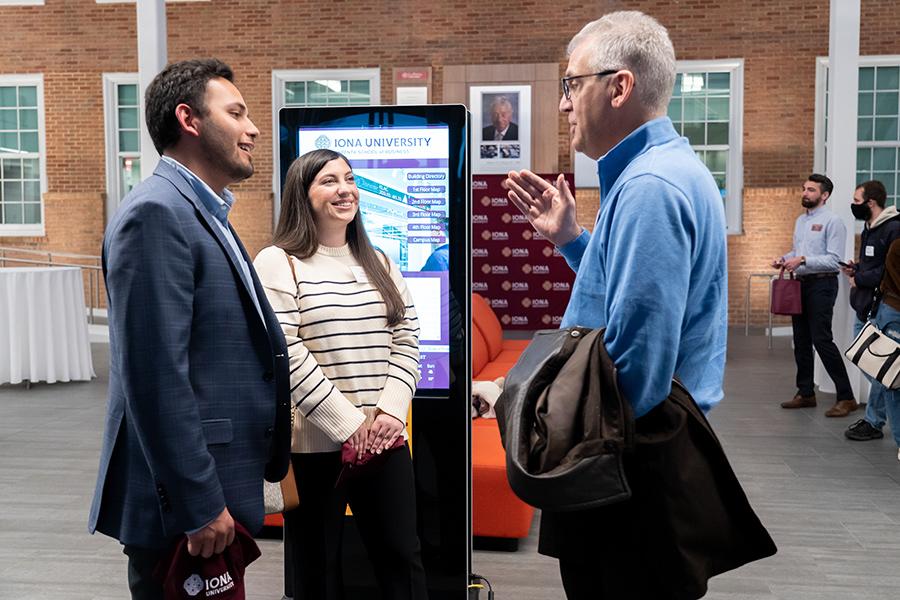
{"x":522,"y":275}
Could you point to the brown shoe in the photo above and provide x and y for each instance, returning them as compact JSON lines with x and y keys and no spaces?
{"x":842,"y":408}
{"x":799,"y":401}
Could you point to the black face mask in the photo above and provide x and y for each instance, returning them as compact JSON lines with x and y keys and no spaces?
{"x":861,"y":211}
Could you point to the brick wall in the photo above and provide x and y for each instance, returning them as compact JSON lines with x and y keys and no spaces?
{"x":769,"y":215}
{"x":252,"y":218}
{"x":74,"y":42}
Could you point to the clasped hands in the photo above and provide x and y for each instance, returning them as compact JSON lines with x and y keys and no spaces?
{"x":377,"y":436}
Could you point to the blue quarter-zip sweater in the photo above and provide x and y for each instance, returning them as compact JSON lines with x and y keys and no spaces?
{"x":654,"y":272}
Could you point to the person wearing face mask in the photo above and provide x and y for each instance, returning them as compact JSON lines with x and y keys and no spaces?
{"x":819,"y":237}
{"x":882,"y":227}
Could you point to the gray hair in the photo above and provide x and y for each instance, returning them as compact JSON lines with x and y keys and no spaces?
{"x":637,"y":42}
{"x":499,"y":101}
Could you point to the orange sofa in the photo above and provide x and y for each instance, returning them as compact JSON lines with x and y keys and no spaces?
{"x":496,"y":511}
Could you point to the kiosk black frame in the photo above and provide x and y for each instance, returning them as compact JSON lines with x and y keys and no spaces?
{"x":441,"y":427}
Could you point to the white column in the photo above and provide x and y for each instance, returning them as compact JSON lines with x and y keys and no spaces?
{"x":840,"y":165}
{"x":152,"y":56}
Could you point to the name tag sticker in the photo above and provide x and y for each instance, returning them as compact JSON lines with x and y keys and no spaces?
{"x":870,"y":250}
{"x":817,"y":227}
{"x":359,"y":274}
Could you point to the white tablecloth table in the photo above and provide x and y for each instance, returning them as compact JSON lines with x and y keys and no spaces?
{"x":43,"y":327}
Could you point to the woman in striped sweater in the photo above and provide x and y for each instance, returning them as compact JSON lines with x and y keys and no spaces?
{"x":352,"y":334}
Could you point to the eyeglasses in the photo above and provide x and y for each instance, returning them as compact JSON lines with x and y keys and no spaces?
{"x":567,"y":91}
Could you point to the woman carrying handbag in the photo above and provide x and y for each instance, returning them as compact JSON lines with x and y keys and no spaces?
{"x":352,"y":337}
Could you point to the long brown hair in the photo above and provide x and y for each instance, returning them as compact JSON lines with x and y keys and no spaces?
{"x":297,"y":234}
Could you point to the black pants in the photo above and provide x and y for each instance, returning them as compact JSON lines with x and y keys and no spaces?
{"x":141,"y":564}
{"x":812,"y":328}
{"x":581,"y":581}
{"x":383,"y":505}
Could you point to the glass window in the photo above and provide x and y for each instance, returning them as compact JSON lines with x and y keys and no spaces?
{"x":20,"y":155}
{"x":124,"y":117}
{"x":327,"y":92}
{"x":130,"y":174}
{"x":322,"y":87}
{"x":700,"y":109}
{"x":333,"y":87}
{"x":878,"y":134}
{"x":128,"y":113}
{"x":707,"y":109}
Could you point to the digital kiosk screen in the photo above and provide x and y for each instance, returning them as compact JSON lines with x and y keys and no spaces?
{"x":411,"y":167}
{"x":403,"y":175}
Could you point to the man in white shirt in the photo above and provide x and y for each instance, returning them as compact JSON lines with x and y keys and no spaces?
{"x":819,"y":237}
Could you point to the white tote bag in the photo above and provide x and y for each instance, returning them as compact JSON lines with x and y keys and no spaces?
{"x":877,"y":355}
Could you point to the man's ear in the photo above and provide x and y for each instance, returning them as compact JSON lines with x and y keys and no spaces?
{"x":825,"y":197}
{"x":188,"y":119}
{"x":623,"y":88}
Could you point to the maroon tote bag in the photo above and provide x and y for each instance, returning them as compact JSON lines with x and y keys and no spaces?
{"x":786,"y":295}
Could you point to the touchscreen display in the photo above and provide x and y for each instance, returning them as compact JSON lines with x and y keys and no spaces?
{"x":403,"y":178}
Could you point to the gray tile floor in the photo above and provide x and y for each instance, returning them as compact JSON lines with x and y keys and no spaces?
{"x":832,"y":506}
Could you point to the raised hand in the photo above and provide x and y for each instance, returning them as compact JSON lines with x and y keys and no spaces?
{"x":550,"y":209}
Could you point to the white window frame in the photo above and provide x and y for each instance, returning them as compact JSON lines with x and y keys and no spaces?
{"x":21,"y":2}
{"x":734,"y":169}
{"x":111,"y":125}
{"x":279,"y":79}
{"x":31,"y":230}
{"x":891,"y":60}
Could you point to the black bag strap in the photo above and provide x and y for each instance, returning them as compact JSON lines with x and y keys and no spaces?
{"x":876,"y":301}
{"x":879,"y":294}
{"x":888,"y":364}
{"x":865,"y":346}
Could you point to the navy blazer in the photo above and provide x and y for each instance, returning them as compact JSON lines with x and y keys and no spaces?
{"x":199,"y":400}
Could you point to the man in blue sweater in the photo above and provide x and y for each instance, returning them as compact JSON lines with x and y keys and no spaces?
{"x":653,"y":272}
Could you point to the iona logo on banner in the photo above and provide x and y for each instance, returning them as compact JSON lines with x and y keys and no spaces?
{"x":323,"y":142}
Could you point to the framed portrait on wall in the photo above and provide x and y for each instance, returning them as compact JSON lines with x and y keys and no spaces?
{"x":501,"y":128}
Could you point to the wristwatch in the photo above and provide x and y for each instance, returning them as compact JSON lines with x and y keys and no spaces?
{"x":802,"y":260}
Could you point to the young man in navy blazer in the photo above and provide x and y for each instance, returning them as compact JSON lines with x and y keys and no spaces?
{"x":198,"y":409}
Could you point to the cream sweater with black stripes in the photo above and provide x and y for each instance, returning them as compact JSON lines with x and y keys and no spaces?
{"x":345,"y":361}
